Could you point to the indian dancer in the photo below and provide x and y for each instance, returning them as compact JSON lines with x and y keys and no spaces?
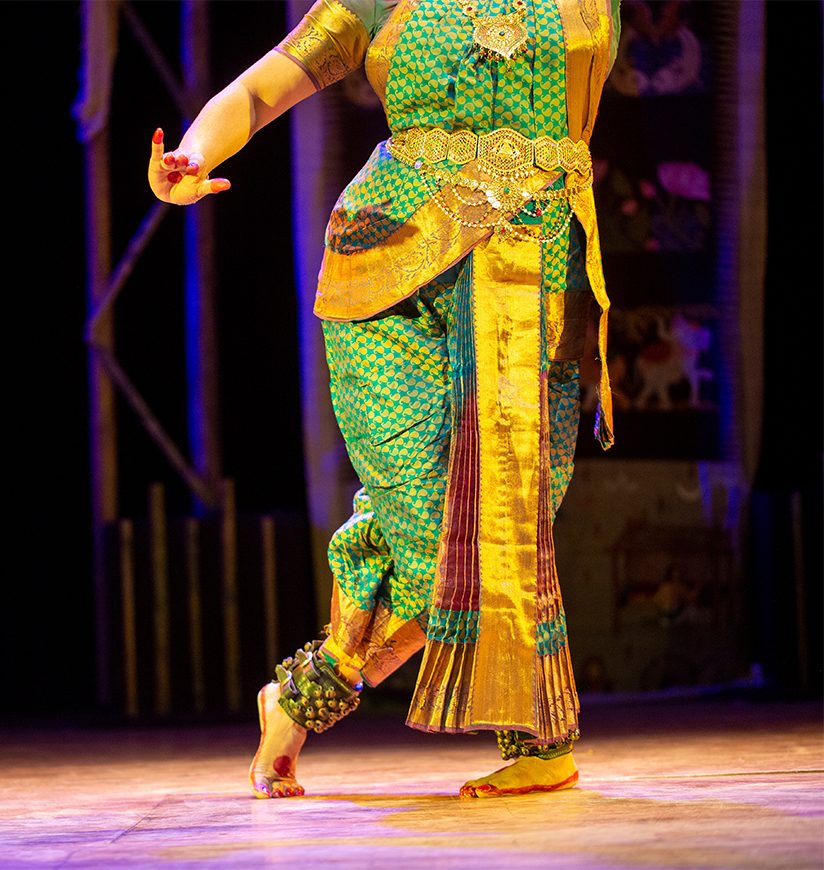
{"x":454,"y":293}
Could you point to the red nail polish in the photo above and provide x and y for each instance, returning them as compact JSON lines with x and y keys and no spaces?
{"x":157,"y":138}
{"x":174,"y":177}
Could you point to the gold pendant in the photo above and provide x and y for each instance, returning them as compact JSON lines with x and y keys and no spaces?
{"x":501,"y":36}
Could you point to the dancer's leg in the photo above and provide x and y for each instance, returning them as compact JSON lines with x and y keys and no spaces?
{"x":274,"y":768}
{"x":535,"y":768}
{"x":389,"y":383}
{"x":311,"y":692}
{"x":389,"y":379}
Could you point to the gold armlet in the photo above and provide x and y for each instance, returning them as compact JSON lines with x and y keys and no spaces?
{"x":328,"y":43}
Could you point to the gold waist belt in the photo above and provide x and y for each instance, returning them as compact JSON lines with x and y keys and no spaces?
{"x":503,"y":152}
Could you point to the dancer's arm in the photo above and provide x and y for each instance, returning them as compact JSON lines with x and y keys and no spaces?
{"x":327,"y":44}
{"x":225,"y":124}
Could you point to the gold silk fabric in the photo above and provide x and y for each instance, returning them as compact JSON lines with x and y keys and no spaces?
{"x":328,"y":43}
{"x":507,"y":338}
{"x":379,"y":55}
{"x":589,"y":36}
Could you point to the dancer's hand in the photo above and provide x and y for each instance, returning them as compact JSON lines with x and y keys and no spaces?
{"x":178,"y":177}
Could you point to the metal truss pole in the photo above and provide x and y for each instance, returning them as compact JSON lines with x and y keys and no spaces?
{"x":104,"y":284}
{"x":103,"y":425}
{"x":200,"y":270}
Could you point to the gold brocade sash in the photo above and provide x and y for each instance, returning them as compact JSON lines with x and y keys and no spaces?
{"x":498,"y":680}
{"x":507,"y":312}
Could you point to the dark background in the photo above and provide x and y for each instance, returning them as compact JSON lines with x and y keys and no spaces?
{"x":46,"y":624}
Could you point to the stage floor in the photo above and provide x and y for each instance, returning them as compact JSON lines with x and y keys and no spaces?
{"x":680,"y":784}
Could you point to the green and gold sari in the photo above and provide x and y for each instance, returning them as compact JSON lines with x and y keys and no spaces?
{"x":455,"y":285}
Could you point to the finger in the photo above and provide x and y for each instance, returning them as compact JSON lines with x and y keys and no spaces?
{"x":181,"y":161}
{"x":195,"y":163}
{"x":213,"y":185}
{"x":169,"y":160}
{"x":174,"y":177}
{"x":157,"y":144}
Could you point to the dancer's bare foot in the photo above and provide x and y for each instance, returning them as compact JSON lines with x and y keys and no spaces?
{"x":526,"y":774}
{"x":272,"y":772}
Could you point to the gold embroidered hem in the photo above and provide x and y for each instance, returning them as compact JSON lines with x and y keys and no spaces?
{"x":445,"y":687}
{"x":327,"y":44}
{"x":374,"y":642}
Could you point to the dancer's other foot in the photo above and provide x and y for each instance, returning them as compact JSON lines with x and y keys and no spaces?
{"x":525,"y":775}
{"x":272,"y":772}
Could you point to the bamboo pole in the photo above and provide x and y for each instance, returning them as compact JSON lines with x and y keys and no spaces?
{"x":129,"y":616}
{"x":231,"y":618}
{"x":192,"y":545}
{"x":316,"y":140}
{"x":160,"y":588}
{"x":799,"y":573}
{"x":99,"y":29}
{"x":270,"y":604}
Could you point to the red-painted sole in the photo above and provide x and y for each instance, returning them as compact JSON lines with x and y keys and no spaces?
{"x":493,"y":791}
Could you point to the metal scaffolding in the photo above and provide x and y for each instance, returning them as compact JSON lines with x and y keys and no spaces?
{"x":106,"y":280}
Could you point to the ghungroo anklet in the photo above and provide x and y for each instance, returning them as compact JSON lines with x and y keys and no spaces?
{"x":312,"y":692}
{"x":514,"y":744}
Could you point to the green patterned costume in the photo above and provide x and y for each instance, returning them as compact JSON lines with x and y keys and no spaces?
{"x":411,"y":361}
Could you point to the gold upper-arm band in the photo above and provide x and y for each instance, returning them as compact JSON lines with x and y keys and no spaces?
{"x":329,"y":42}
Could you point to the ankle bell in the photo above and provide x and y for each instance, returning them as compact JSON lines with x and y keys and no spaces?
{"x":515,"y":744}
{"x":312,"y":692}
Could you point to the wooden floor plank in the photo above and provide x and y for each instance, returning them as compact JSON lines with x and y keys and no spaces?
{"x":720,"y":784}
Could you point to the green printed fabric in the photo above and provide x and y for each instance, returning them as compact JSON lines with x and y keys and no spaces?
{"x":378,"y":200}
{"x":388,"y":378}
{"x":552,"y":636}
{"x":564,"y":414}
{"x":450,"y":86}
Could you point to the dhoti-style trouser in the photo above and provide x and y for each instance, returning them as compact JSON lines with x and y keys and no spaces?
{"x":411,"y":564}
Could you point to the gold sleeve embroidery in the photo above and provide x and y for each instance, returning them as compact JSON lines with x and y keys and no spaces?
{"x":328,"y":43}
